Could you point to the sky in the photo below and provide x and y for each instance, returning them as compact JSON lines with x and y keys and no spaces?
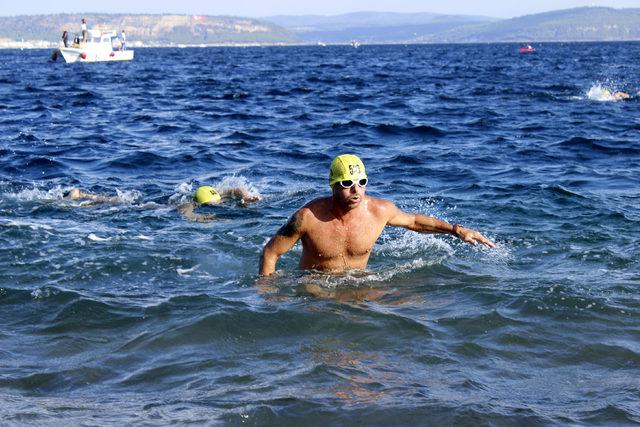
{"x":258,"y":8}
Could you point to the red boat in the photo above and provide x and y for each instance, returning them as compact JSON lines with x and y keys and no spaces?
{"x":527,"y":49}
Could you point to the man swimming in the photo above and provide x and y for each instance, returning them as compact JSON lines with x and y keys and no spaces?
{"x":207,"y":195}
{"x":338,"y":232}
{"x":204,"y":195}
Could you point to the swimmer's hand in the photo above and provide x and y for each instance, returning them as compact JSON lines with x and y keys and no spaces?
{"x":249,"y":198}
{"x":473,"y":237}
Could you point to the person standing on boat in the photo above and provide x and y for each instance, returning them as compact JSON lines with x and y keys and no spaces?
{"x":83,"y":27}
{"x":65,"y":38}
{"x":123,"y":41}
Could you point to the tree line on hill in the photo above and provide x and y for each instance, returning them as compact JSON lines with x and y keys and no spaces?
{"x":579,"y":24}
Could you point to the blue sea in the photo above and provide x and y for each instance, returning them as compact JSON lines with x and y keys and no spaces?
{"x":127,"y":314}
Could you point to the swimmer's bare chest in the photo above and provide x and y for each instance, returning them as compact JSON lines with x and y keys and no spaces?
{"x":338,"y":245}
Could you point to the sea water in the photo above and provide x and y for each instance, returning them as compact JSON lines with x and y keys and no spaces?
{"x":126,"y":313}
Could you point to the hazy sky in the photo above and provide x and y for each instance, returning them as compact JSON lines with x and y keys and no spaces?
{"x":257,"y":8}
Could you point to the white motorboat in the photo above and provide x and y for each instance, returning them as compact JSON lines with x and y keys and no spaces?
{"x":100,"y":46}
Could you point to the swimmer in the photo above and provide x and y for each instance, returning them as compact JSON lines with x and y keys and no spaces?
{"x":204,"y":195}
{"x":338,"y":232}
{"x":616,"y":96}
{"x":209,"y":196}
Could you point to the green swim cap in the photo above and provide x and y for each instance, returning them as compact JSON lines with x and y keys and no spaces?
{"x":206,"y":194}
{"x":346,"y":166}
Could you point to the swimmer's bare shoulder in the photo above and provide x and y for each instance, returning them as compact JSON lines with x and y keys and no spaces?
{"x":297,"y":223}
{"x":382,"y":208}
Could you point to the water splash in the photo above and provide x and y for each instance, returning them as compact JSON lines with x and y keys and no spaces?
{"x":601,"y":93}
{"x":184,"y":190}
{"x":39,"y":194}
{"x":238,"y":181}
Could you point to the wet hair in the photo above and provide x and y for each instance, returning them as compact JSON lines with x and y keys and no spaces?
{"x":66,"y":193}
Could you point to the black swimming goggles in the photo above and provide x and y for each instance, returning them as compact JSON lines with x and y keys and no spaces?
{"x":348,"y":183}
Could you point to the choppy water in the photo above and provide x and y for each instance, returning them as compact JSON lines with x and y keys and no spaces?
{"x":127,"y":313}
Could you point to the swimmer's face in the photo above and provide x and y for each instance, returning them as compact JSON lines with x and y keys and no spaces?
{"x":348,"y":198}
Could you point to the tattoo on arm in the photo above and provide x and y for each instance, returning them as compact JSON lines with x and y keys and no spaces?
{"x":291,"y":227}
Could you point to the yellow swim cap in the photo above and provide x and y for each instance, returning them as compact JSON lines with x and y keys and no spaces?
{"x":346,"y":166}
{"x":206,"y":194}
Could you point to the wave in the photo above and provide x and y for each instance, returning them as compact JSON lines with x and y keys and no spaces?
{"x":582,"y":145}
{"x":25,"y":137}
{"x":166,"y":128}
{"x":235,"y":95}
{"x":391,"y":129}
{"x":316,"y":79}
{"x":134,"y":160}
{"x":410,"y":129}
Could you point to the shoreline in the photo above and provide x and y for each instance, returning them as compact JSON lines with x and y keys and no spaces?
{"x":42,"y":44}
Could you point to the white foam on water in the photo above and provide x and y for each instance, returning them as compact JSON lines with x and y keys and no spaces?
{"x":41,"y":293}
{"x":129,"y":196}
{"x":183,"y":194}
{"x":601,"y":93}
{"x":37,"y":194}
{"x":185,"y":271}
{"x":410,"y":243}
{"x":29,"y":224}
{"x":95,"y":238}
{"x":238,"y":181}
{"x":364,"y":278}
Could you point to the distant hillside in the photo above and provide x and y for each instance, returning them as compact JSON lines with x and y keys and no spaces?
{"x":372,"y":27}
{"x":148,"y":29}
{"x":579,"y":24}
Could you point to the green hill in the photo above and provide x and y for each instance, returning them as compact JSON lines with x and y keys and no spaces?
{"x":372,"y":27}
{"x":148,"y":29}
{"x":579,"y":24}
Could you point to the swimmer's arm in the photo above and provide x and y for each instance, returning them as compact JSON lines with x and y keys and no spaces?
{"x":186,"y":210}
{"x":101,"y":198}
{"x":285,"y":238}
{"x":242,"y":194}
{"x":77,"y":194}
{"x":428,"y":224}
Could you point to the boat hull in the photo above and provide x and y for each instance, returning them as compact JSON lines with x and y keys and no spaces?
{"x":72,"y":54}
